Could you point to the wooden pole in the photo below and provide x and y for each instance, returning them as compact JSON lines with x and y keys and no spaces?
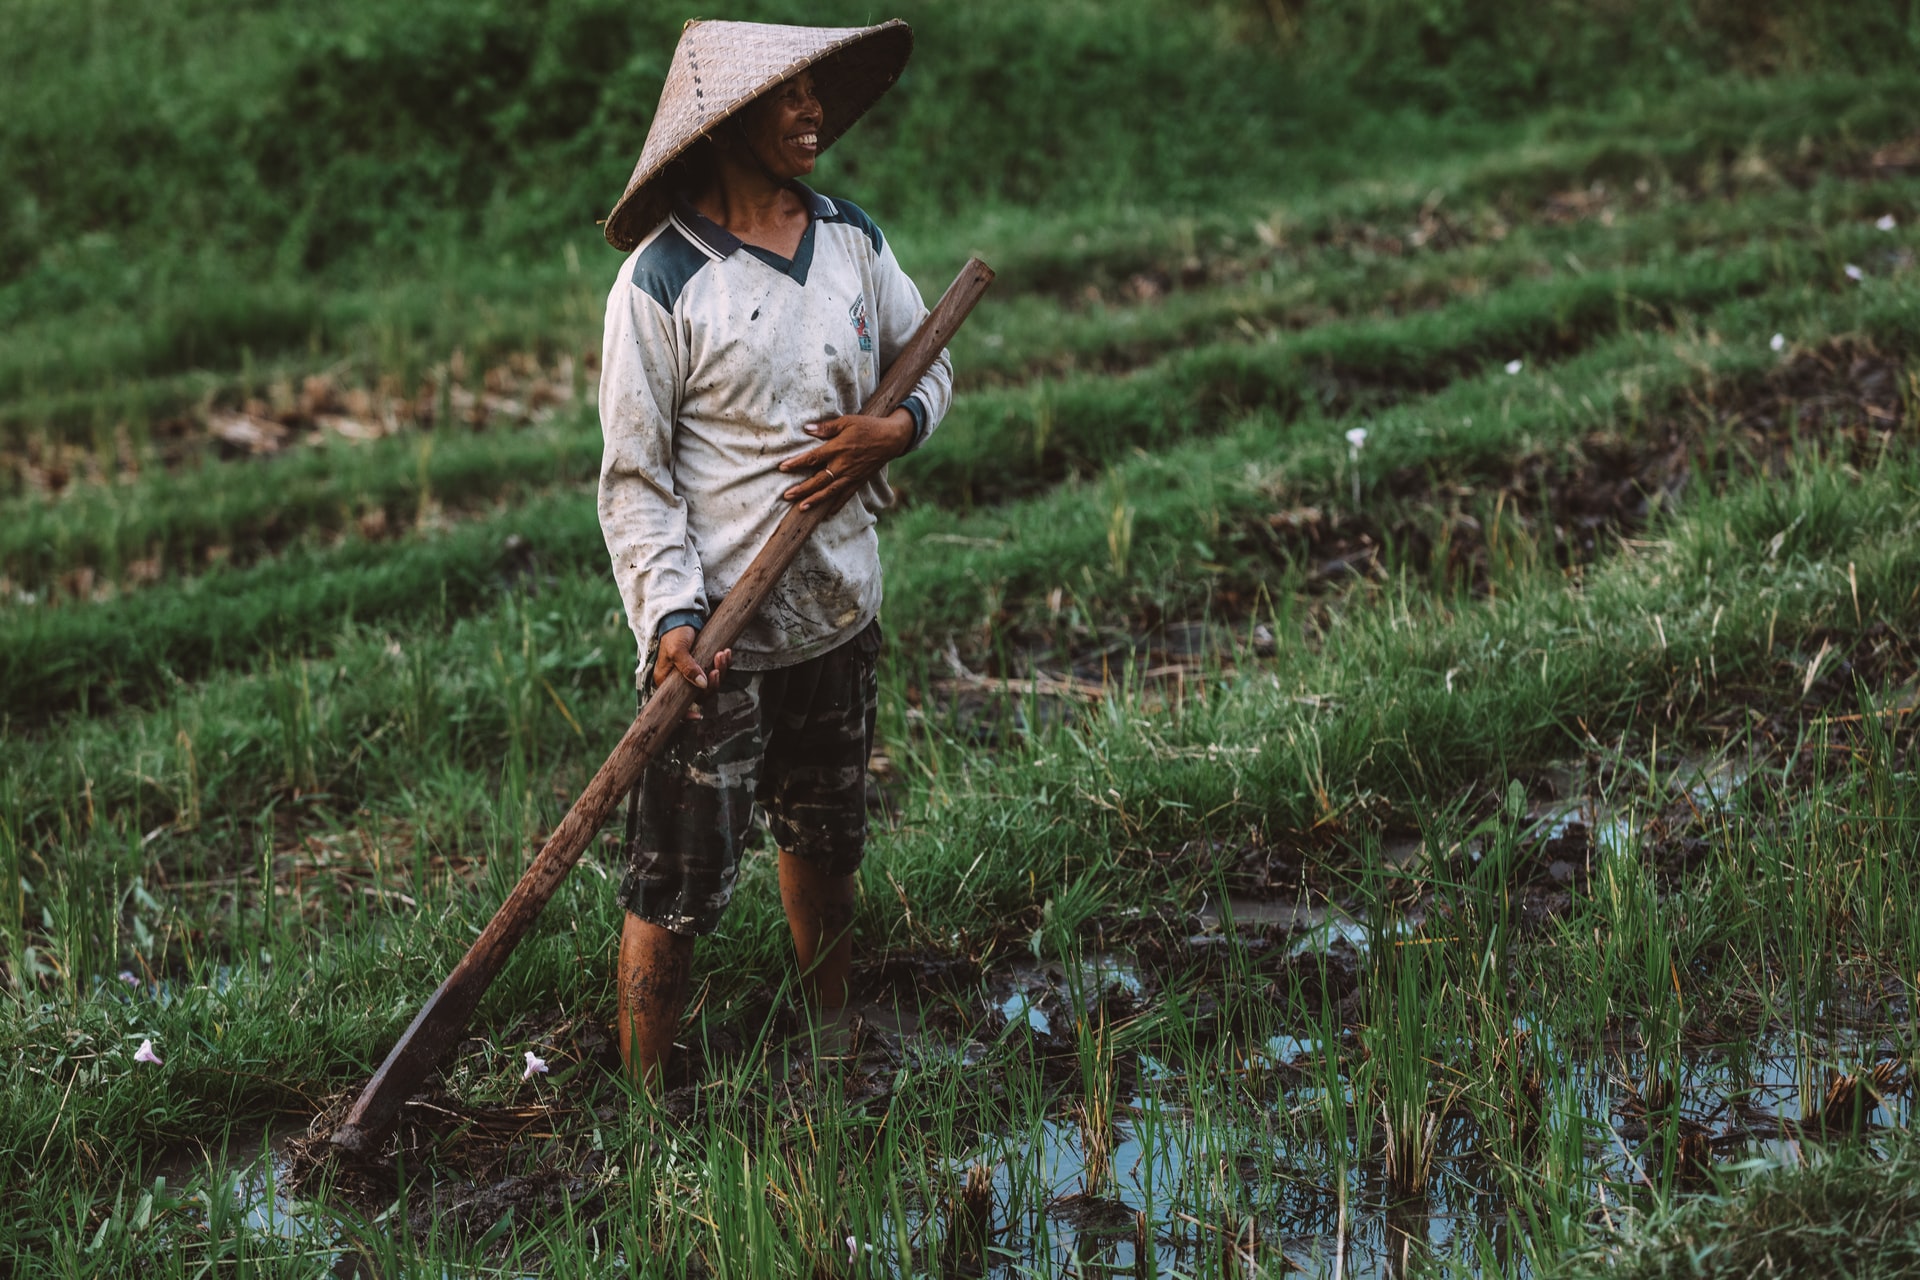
{"x":442,"y":1021}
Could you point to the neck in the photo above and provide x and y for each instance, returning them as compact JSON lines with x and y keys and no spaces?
{"x":746,"y":196}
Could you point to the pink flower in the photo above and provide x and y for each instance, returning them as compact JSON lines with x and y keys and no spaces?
{"x":536,"y":1066}
{"x":1854,"y":273}
{"x":145,"y":1053}
{"x":126,"y":976}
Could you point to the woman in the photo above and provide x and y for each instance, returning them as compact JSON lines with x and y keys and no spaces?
{"x":750,"y":321}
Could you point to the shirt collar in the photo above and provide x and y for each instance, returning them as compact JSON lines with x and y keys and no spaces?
{"x":721,"y":242}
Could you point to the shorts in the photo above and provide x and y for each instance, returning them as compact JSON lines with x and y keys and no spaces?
{"x":796,"y":739}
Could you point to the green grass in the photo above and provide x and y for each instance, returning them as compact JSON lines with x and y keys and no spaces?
{"x":167,"y":519}
{"x":281,"y":732}
{"x":96,"y":343}
{"x":1850,"y":1212}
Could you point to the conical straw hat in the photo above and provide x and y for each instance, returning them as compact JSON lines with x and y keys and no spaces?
{"x":719,"y":67}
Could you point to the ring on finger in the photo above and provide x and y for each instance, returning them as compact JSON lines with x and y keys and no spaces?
{"x":828,"y":471}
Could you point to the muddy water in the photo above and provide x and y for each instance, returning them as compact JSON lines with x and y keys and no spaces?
{"x":1301,"y":1207}
{"x":1278,"y":1195}
{"x":1291,"y":1202}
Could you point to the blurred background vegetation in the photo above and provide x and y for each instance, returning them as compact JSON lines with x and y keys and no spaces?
{"x":186,"y":140}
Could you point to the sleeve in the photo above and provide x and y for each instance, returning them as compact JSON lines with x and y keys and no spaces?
{"x":898,"y":311}
{"x":642,"y":516}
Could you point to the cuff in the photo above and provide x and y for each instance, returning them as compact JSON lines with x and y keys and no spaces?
{"x":916,"y":410}
{"x":680,"y":618}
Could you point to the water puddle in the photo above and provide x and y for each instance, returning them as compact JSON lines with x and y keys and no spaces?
{"x":1704,"y":788}
{"x":1295,"y":1205}
{"x":1179,"y":1169}
{"x":1068,"y":1200}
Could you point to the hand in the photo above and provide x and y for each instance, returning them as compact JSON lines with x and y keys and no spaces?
{"x":852,"y":449}
{"x":676,"y":654}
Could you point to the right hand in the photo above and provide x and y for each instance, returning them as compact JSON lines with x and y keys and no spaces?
{"x":676,"y":654}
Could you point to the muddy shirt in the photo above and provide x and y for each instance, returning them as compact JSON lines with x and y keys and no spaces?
{"x":716,"y":355}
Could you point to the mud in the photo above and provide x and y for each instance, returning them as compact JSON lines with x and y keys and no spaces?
{"x":321,"y":409}
{"x":1104,"y":1178}
{"x":1612,"y":186}
{"x":1569,"y":507}
{"x":1460,"y":531}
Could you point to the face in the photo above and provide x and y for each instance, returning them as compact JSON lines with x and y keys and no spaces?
{"x":782,"y":128}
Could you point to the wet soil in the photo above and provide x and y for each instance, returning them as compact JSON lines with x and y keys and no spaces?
{"x":322,"y":408}
{"x":531,"y":1156}
{"x":1613,"y":186}
{"x":1570,"y":506}
{"x":474,"y":1148}
{"x":1460,"y":530}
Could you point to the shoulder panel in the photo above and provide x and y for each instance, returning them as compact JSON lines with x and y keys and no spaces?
{"x":662,"y":269}
{"x":854,"y":216}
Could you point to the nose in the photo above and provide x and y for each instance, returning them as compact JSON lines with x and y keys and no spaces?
{"x":810,"y":109}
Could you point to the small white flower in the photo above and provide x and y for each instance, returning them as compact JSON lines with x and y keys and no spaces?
{"x":126,"y":976}
{"x":1855,"y":273}
{"x":1886,"y":222}
{"x":1356,"y":438}
{"x":1515,"y":366}
{"x":145,"y":1053}
{"x":536,"y":1066}
{"x":1778,"y":342}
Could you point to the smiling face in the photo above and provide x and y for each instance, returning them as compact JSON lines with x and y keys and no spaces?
{"x":782,"y":128}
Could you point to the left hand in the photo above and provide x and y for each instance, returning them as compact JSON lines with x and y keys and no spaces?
{"x":852,"y":449}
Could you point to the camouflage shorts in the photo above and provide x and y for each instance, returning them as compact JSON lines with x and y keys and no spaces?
{"x":796,"y":739}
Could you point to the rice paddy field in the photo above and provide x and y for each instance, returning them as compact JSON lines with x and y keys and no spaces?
{"x":1396,"y":752}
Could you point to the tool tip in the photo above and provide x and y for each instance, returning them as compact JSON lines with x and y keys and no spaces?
{"x":354,"y":1141}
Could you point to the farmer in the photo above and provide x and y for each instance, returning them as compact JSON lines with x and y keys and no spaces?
{"x":750,"y":321}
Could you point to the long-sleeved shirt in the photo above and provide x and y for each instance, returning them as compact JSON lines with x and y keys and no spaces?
{"x":716,"y":355}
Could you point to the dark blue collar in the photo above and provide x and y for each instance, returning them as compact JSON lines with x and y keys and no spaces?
{"x":723,"y":243}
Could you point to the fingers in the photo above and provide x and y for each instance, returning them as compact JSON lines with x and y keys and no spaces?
{"x":812,"y":486}
{"x":676,"y":658}
{"x":829,"y":466}
{"x":689,"y":670}
{"x":811,"y":460}
{"x":831,"y":494}
{"x":853,"y":449}
{"x":676,"y":654}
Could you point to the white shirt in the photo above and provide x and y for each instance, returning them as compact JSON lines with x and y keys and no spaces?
{"x":716,"y":355}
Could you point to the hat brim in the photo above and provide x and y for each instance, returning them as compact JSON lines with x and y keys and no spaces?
{"x":848,"y":79}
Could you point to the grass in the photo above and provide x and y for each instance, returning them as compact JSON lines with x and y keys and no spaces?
{"x":136,"y":645}
{"x":1850,"y":1211}
{"x":1473,"y":850}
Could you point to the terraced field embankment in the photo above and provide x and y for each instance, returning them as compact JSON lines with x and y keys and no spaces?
{"x":1395,"y":740}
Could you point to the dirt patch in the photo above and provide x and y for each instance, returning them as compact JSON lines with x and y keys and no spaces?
{"x":1461,"y":530}
{"x":1615,"y":186}
{"x":1568,"y":507}
{"x":321,"y":409}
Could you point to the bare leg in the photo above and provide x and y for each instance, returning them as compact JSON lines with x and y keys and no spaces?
{"x":653,"y":993}
{"x":820,"y":913}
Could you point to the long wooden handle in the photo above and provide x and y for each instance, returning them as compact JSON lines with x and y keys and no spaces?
{"x":442,"y":1021}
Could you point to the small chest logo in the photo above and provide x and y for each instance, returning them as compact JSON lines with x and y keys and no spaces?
{"x":858,"y":314}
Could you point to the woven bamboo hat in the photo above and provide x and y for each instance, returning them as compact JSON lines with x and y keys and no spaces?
{"x":720,"y":67}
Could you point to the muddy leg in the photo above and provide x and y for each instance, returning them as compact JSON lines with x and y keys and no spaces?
{"x":653,"y":993}
{"x":820,"y":913}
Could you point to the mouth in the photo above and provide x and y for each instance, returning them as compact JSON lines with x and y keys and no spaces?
{"x":808,"y":141}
